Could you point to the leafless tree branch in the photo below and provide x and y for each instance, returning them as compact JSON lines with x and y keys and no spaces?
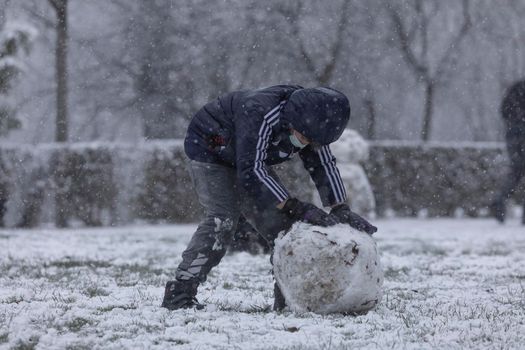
{"x":456,"y":41}
{"x":408,"y":54}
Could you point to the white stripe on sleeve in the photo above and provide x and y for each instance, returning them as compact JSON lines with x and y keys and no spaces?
{"x":269,"y":120}
{"x":332,"y":172}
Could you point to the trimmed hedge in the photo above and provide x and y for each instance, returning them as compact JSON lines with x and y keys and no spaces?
{"x":95,"y":184}
{"x":105,"y":184}
{"x":436,"y":179}
{"x":84,"y":185}
{"x":166,"y":192}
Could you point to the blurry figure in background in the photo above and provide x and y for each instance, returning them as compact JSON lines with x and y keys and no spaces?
{"x":513,"y":113}
{"x":350,"y":150}
{"x":231,"y":143}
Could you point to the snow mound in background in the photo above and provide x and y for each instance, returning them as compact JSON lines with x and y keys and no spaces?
{"x":351,"y":147}
{"x":328,"y":269}
{"x":351,"y":150}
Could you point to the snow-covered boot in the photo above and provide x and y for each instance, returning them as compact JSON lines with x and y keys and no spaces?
{"x":279,"y":303}
{"x":181,"y":295}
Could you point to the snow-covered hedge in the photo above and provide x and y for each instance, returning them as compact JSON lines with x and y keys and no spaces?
{"x":166,"y":191}
{"x":84,"y":184}
{"x":95,"y":184}
{"x":106,"y":183}
{"x":435,"y":179}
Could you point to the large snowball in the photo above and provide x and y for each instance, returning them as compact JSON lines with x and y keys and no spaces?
{"x":328,"y":269}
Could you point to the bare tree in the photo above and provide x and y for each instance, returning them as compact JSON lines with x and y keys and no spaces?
{"x":321,"y":71}
{"x":61,"y":121}
{"x":148,"y":65}
{"x":412,"y":33}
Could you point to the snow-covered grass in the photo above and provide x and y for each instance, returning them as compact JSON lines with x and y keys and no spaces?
{"x":449,"y":284}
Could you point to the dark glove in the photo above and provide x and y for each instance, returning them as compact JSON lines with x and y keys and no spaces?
{"x":345,"y":215}
{"x":307,"y":212}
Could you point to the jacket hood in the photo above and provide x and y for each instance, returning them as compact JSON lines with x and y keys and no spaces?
{"x":320,"y":114}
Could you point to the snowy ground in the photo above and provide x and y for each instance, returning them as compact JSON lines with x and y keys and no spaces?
{"x":449,"y":284}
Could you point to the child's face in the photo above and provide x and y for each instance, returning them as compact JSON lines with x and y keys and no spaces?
{"x":300,"y":137}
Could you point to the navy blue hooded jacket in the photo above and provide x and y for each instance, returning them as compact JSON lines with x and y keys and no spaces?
{"x":249,"y":131}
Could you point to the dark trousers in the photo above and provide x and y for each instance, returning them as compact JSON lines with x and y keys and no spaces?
{"x":516,"y":152}
{"x":224,"y":202}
